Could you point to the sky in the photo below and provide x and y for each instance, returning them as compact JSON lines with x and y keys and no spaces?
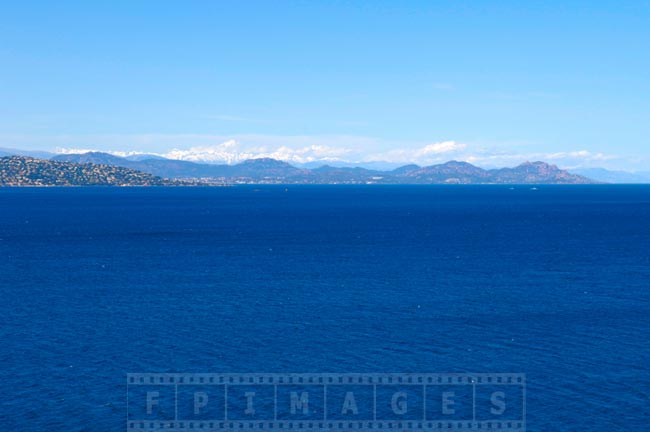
{"x":494,"y":83}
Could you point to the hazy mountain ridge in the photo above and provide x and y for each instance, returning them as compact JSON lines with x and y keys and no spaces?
{"x":4,"y":151}
{"x":613,"y":176}
{"x":266,"y":170}
{"x":28,"y":171}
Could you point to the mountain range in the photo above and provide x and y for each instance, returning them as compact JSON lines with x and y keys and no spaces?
{"x":609,"y":176}
{"x":267,"y":170}
{"x":199,"y":169}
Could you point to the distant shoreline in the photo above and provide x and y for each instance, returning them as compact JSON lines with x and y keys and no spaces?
{"x":106,"y":170}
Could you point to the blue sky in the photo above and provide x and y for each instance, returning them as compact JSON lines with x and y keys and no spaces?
{"x":494,"y":83}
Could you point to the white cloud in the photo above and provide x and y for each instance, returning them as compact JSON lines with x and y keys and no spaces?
{"x":568,"y":159}
{"x":233,"y":151}
{"x":65,"y":150}
{"x":300,"y":149}
{"x":228,"y":152}
{"x":429,"y":153}
{"x":296,"y":149}
{"x":581,"y":154}
{"x":441,"y":147}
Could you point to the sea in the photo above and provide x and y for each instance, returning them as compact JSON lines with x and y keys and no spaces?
{"x":549,"y":281}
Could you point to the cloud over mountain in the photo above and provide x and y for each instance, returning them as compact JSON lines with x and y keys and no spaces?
{"x":338,"y":149}
{"x":233,"y":151}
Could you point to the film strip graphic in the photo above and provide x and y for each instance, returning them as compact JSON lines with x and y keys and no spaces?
{"x":320,"y":402}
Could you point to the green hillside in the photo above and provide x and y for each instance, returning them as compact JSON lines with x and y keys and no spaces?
{"x":27,"y":171}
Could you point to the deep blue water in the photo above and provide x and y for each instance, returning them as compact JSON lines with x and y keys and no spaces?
{"x":98,"y":282}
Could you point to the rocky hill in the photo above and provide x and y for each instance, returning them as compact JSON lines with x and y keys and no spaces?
{"x":28,"y":171}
